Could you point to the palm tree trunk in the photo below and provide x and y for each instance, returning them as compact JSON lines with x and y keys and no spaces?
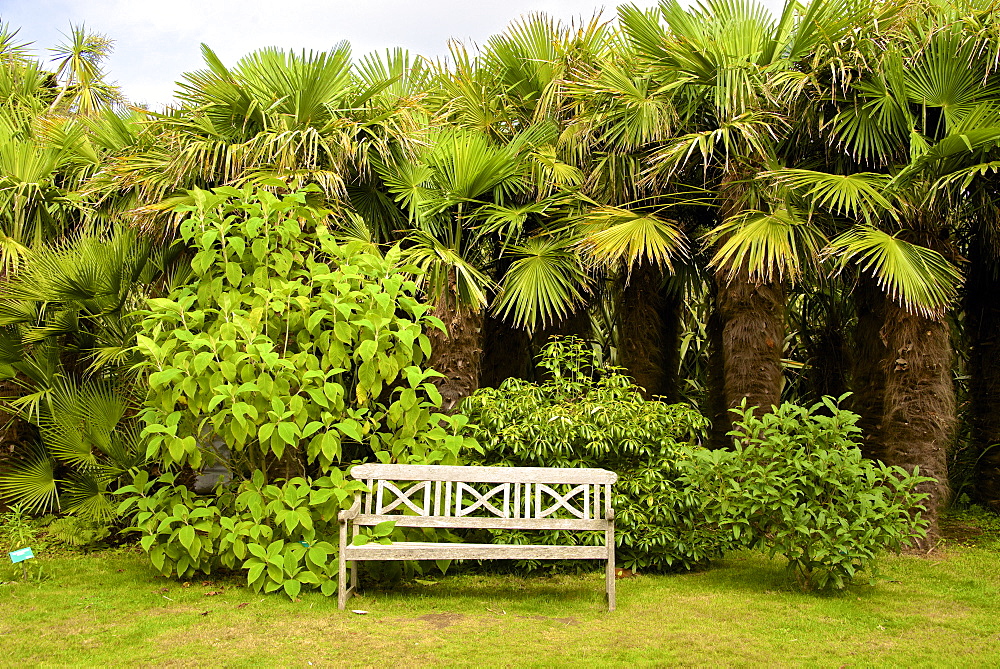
{"x":919,"y":404}
{"x":868,"y":373}
{"x":751,"y":324}
{"x":457,"y":354}
{"x":671,"y":314}
{"x":718,"y":407}
{"x":982,"y":317}
{"x":650,"y":332}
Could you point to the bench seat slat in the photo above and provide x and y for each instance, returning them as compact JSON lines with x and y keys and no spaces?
{"x":550,"y":475}
{"x":420,"y":550}
{"x":484,"y":523}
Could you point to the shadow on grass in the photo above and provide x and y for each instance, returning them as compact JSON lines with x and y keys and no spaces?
{"x":755,"y":574}
{"x":527,"y":592}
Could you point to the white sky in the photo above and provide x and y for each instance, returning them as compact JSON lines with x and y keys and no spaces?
{"x":156,"y":41}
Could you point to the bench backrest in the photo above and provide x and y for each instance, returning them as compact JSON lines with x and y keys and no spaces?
{"x":486,"y":497}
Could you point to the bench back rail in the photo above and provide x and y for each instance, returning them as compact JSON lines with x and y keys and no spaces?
{"x":534,"y":498}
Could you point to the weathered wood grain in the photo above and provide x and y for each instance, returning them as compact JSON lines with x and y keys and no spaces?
{"x":419,"y":550}
{"x":483,"y":474}
{"x":490,"y":523}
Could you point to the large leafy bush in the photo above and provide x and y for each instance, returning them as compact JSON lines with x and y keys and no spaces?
{"x":289,"y":348}
{"x":278,"y":532}
{"x":795,"y":484}
{"x":287,"y":357}
{"x":584,"y":416}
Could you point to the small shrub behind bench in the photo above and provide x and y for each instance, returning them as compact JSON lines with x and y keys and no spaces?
{"x":588,"y":417}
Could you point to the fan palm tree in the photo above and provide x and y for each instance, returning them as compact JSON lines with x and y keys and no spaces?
{"x":46,"y":147}
{"x":68,"y":324}
{"x":725,"y":68}
{"x":82,"y":86}
{"x":461,"y":195}
{"x":298,"y":118}
{"x":624,"y":113}
{"x":922,"y":109}
{"x":518,"y":81}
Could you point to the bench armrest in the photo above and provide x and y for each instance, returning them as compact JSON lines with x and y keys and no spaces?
{"x":353,"y":512}
{"x":610,"y":515}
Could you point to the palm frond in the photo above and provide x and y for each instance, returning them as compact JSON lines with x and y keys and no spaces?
{"x":87,"y":496}
{"x":918,"y":278}
{"x":770,"y":246}
{"x":544,"y":284}
{"x":447,"y":267}
{"x":851,"y":195}
{"x":615,"y":237}
{"x":31,"y":482}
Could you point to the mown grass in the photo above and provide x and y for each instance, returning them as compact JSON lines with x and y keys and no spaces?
{"x":111,"y":609}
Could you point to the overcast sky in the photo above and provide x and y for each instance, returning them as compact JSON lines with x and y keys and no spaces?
{"x":156,"y":41}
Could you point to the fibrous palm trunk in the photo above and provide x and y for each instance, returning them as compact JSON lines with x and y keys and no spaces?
{"x":650,"y":332}
{"x":671,"y":314}
{"x":982,"y":313}
{"x":749,"y":333}
{"x":718,"y":407}
{"x":829,"y":356}
{"x":919,"y":403}
{"x":458,"y":353}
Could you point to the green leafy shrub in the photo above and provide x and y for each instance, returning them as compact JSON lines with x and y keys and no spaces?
{"x":585,"y":416}
{"x":287,"y":357}
{"x":276,"y":532}
{"x":16,"y":530}
{"x":795,"y":484}
{"x":295,"y":352}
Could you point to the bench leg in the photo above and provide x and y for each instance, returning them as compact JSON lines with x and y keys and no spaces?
{"x":354,"y":567}
{"x":342,"y":569}
{"x":609,"y":575}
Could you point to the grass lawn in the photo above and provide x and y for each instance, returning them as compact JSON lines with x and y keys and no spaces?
{"x":111,"y":609}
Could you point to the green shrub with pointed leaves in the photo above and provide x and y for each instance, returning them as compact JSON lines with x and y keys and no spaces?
{"x":278,"y":532}
{"x":287,"y":357}
{"x":585,"y":416}
{"x":796,"y":484}
{"x":288,"y":347}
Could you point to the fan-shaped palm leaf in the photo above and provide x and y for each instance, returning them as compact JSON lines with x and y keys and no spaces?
{"x":544,"y":284}
{"x":447,"y":266}
{"x":87,"y":497}
{"x":616,"y":237}
{"x":860,"y":194}
{"x":31,"y":481}
{"x":770,"y":246}
{"x":918,"y":278}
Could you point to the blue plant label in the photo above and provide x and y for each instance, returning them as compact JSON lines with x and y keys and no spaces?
{"x":21,"y":555}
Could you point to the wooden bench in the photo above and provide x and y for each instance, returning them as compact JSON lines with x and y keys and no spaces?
{"x":509,"y":498}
